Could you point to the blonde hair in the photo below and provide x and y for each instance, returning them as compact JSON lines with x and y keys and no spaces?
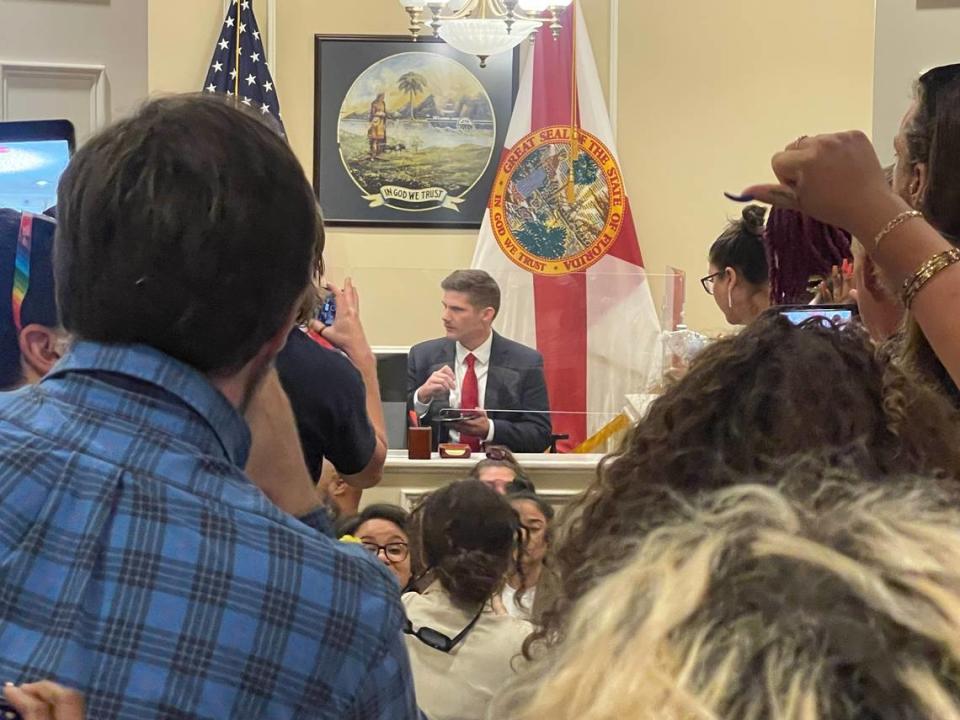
{"x":770,"y":603}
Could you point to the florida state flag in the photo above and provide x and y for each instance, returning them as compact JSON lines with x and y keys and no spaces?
{"x":559,"y":238}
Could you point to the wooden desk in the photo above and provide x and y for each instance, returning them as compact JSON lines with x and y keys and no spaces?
{"x":557,"y":477}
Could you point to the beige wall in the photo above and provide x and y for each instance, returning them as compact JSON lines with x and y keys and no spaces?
{"x":707,"y":91}
{"x":63,"y":33}
{"x":911,"y":37}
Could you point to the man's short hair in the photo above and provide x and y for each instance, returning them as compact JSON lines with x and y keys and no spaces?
{"x":477,"y":285}
{"x":34,"y":277}
{"x":189,"y":227}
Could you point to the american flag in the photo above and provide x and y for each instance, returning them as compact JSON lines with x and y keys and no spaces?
{"x":239,"y":66}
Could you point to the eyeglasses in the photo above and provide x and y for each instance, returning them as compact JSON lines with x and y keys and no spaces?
{"x":436,"y":639}
{"x":708,"y":281}
{"x":395,"y":551}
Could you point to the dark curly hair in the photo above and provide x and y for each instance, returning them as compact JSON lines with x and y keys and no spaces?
{"x":469,"y":536}
{"x":774,"y":390}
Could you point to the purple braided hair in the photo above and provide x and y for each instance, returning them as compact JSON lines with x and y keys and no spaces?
{"x":798,"y":248}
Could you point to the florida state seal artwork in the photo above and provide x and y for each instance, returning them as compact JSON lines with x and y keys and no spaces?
{"x":557,"y":203}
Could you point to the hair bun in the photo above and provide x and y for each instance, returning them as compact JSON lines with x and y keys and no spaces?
{"x":471,"y":576}
{"x":753,"y":219}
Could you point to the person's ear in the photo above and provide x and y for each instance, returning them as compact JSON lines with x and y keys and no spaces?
{"x":488,"y":315}
{"x":40,"y":350}
{"x":919,"y":179}
{"x":730,"y":275}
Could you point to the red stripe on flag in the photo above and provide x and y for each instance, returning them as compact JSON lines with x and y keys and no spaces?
{"x":561,"y":302}
{"x":627,"y":248}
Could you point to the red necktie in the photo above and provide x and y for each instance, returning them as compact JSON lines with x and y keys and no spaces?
{"x":470,"y":399}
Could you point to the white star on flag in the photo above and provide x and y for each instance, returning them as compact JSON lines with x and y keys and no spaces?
{"x":211,"y":88}
{"x":255,"y":57}
{"x":256,"y":34}
{"x":233,"y":74}
{"x":229,"y":22}
{"x":245,"y":5}
{"x":243,"y":28}
{"x":268,"y":86}
{"x":217,"y":66}
{"x":251,"y":79}
{"x":246,"y":101}
{"x":224,"y":45}
{"x":265,"y":109}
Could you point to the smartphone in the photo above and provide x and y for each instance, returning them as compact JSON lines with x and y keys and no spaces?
{"x":33,"y":156}
{"x":839,"y":315}
{"x":327,"y":312}
{"x":453,"y":415}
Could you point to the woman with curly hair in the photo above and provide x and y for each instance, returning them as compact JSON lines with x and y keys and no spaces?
{"x":824,"y":599}
{"x":770,"y":392}
{"x":461,"y":643}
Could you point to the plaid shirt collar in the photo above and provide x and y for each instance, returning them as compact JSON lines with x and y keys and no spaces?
{"x":146,"y":368}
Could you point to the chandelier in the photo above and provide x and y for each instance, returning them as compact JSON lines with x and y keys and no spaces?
{"x":484,"y":27}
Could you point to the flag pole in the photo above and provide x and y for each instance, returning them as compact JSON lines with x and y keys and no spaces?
{"x":236,"y":66}
{"x":574,"y":141}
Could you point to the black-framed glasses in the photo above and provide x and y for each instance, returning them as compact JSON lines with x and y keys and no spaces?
{"x":436,"y":639}
{"x":708,"y":281}
{"x":394,"y":552}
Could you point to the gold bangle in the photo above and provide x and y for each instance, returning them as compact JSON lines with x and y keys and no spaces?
{"x":937,"y":264}
{"x":894,"y":224}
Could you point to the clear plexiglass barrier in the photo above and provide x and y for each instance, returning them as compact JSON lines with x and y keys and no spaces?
{"x":573,"y":359}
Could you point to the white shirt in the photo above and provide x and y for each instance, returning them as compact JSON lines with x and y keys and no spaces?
{"x":459,"y":685}
{"x":508,"y":597}
{"x":481,"y":366}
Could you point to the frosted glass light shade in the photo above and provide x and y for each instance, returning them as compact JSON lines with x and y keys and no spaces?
{"x":417,"y":4}
{"x":485,"y":37}
{"x":534,"y":6}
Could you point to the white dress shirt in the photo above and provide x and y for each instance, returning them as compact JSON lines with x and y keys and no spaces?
{"x":481,"y":366}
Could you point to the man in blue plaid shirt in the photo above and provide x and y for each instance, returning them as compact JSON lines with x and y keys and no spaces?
{"x":138,"y":563}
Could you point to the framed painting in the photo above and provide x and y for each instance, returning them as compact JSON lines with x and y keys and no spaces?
{"x":407,"y":134}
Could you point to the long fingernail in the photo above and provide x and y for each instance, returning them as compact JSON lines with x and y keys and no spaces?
{"x":739,"y":198}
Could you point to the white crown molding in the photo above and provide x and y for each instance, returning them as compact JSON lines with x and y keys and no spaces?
{"x":95,"y":74}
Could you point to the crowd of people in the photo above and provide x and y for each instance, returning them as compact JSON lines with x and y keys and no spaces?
{"x":183,"y":532}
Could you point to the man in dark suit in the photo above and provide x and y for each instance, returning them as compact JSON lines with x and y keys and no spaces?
{"x":473,"y":368}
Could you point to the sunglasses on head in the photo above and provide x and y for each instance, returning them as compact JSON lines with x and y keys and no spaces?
{"x":436,"y":639}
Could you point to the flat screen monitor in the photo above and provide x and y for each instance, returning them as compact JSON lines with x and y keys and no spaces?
{"x":33,"y":156}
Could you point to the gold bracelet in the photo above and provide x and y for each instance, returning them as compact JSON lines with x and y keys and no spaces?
{"x":894,"y":224}
{"x":938,"y":263}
